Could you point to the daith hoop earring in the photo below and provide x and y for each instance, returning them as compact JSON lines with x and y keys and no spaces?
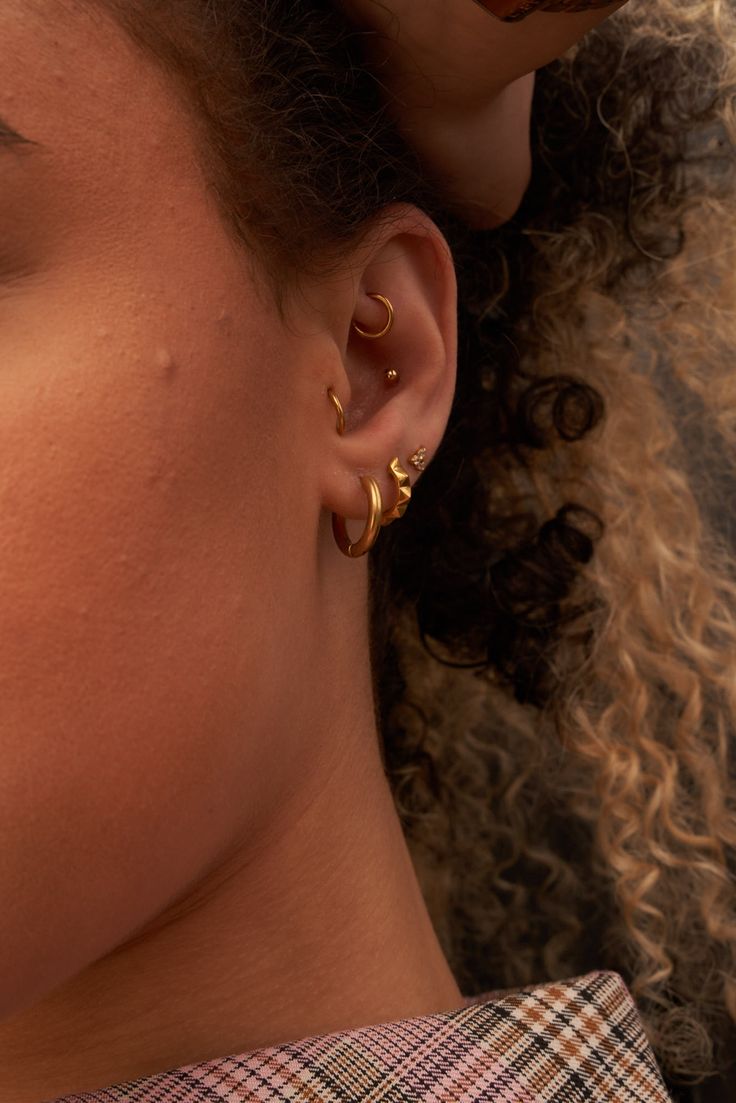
{"x":389,"y":318}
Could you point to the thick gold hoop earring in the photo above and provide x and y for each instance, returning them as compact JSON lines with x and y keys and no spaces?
{"x":339,"y":410}
{"x":389,"y":321}
{"x":403,"y":492}
{"x":372,"y":526}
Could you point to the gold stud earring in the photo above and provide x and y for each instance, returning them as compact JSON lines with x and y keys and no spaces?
{"x":389,"y":319}
{"x":392,"y":376}
{"x":419,"y":459}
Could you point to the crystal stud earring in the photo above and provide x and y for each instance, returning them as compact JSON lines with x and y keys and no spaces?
{"x":419,"y":459}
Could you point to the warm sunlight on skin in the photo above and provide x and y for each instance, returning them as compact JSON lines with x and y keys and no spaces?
{"x":199,"y":852}
{"x":185,"y":687}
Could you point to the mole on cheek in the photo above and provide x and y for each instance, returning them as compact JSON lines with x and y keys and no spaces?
{"x":164,"y":360}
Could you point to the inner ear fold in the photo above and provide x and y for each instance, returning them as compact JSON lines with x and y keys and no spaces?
{"x":406,"y":292}
{"x":373,"y":356}
{"x":399,"y":385}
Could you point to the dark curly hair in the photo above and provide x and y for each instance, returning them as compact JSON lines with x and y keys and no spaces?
{"x":554,"y":620}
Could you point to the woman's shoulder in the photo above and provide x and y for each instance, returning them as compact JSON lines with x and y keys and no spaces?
{"x":562,"y":1042}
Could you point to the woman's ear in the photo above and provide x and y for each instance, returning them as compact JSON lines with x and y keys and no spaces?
{"x":396,"y":389}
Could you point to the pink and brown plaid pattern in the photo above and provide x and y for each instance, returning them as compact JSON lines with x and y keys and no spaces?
{"x":575,"y":1041}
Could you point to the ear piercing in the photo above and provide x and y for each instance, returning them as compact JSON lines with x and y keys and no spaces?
{"x":403,"y":493}
{"x":391,"y":376}
{"x":339,"y":410}
{"x":419,"y":459}
{"x":389,"y":319}
{"x":378,"y":518}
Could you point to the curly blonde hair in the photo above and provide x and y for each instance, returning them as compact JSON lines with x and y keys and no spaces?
{"x":590,"y":819}
{"x":554,"y":621}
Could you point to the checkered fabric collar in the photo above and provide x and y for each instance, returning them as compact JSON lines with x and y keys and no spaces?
{"x":565,"y":1042}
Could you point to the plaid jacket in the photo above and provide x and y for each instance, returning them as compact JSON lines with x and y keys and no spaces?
{"x":566,"y":1042}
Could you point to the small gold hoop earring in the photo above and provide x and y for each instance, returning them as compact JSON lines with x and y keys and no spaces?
{"x":372,"y":525}
{"x":389,"y":321}
{"x":339,"y":410}
{"x":403,"y":492}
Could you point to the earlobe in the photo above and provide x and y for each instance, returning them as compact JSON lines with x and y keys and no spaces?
{"x":378,"y":518}
{"x":372,"y":526}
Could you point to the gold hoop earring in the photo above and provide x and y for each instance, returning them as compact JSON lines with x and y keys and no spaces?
{"x":403,"y":492}
{"x":372,"y":526}
{"x":339,"y":410}
{"x":389,"y":321}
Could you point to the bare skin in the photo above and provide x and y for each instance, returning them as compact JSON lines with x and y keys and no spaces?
{"x":199,"y":853}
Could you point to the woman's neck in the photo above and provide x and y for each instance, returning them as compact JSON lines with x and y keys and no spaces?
{"x":314,"y":924}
